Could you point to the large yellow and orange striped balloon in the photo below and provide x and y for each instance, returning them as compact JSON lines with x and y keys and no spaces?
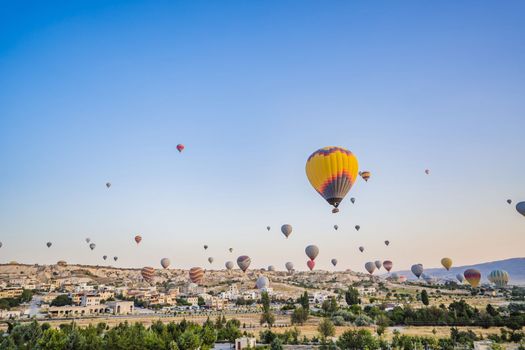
{"x":332,"y":171}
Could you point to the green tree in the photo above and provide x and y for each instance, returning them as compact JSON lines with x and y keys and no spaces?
{"x":326,"y":328}
{"x":352,"y":296}
{"x":357,"y":340}
{"x":299,"y":315}
{"x":189,"y":340}
{"x":61,"y":300}
{"x":304,"y":301}
{"x":276,"y":344}
{"x":267,"y":315}
{"x":424,"y":297}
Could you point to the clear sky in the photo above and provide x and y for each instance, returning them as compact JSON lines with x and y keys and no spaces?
{"x":101,"y":91}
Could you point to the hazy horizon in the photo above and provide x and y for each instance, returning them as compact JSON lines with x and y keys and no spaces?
{"x":99,"y":91}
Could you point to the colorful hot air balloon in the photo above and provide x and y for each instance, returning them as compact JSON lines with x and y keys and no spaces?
{"x":370,"y":267}
{"x":108,"y":184}
{"x":334,"y":262}
{"x":310,"y":264}
{"x":357,"y":227}
{"x":402,"y":279}
{"x":378,"y":264}
{"x":104,"y":257}
{"x":92,"y":246}
{"x":165,"y":263}
{"x":138,"y":238}
{"x":387,"y":264}
{"x":460,"y":278}
{"x":311,"y":251}
{"x":180,"y":147}
{"x":336,"y":227}
{"x":352,"y":200}
{"x":520,"y":207}
{"x":244,"y":262}
{"x":262,"y":283}
{"x":289,"y":266}
{"x":49,"y":244}
{"x":115,"y":258}
{"x":229,"y":265}
{"x":286,"y":230}
{"x":387,"y":243}
{"x":473,"y":277}
{"x":361,"y":249}
{"x":196,"y":275}
{"x":210,"y":260}
{"x":499,"y":277}
{"x":417,"y":270}
{"x":271,"y":268}
{"x":332,"y":171}
{"x":205,"y":246}
{"x":447,"y":263}
{"x":365,"y":175}
{"x":148,"y":273}
{"x":268,"y":228}
{"x":88,"y":240}
{"x":509,"y":201}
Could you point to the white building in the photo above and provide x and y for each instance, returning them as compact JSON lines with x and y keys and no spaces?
{"x":245,"y":342}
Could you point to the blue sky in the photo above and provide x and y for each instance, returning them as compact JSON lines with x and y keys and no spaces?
{"x":102,"y":91}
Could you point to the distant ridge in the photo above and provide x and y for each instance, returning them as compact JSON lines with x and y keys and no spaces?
{"x":514,"y":266}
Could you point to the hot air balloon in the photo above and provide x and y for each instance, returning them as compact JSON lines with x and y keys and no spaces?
{"x":417,"y":270}
{"x":370,"y":267}
{"x":460,"y":278}
{"x":49,"y":244}
{"x":499,"y":277}
{"x":165,"y":263}
{"x":105,"y":257}
{"x":427,"y":171}
{"x":365,"y":175}
{"x":473,"y":277}
{"x":1,"y":244}
{"x":210,"y":260}
{"x":332,"y":171}
{"x":387,"y":264}
{"x":115,"y":258}
{"x":268,"y":228}
{"x":286,"y":230}
{"x":108,"y":184}
{"x":289,"y":266}
{"x":138,"y":238}
{"x":148,"y":273}
{"x":394,"y":276}
{"x":520,"y":207}
{"x":378,"y":264}
{"x":231,"y":250}
{"x":352,"y":200}
{"x":244,"y":262}
{"x":402,"y":279}
{"x":180,"y":147}
{"x":336,"y":227}
{"x":509,"y":201}
{"x":311,"y":251}
{"x":310,"y":264}
{"x":334,"y":262}
{"x":447,"y":263}
{"x":262,"y":283}
{"x":429,"y":279}
{"x":205,"y":246}
{"x":357,"y":227}
{"x":271,"y":268}
{"x":229,"y":265}
{"x":387,"y":243}
{"x":88,"y":240}
{"x":361,"y":249}
{"x":92,"y":246}
{"x":196,"y":275}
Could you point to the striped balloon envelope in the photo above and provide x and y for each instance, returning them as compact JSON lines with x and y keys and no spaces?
{"x":473,"y":277}
{"x":332,"y":171}
{"x":148,"y":273}
{"x":196,"y":274}
{"x":244,"y":262}
{"x":499,"y":277}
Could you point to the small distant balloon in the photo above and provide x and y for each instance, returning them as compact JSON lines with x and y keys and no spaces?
{"x":108,"y":184}
{"x":336,"y":227}
{"x":310,"y":264}
{"x":370,"y":267}
{"x":387,"y":243}
{"x":138,"y":238}
{"x":311,"y":251}
{"x":230,"y":249}
{"x":88,"y":240}
{"x":49,"y":244}
{"x":286,"y":230}
{"x":378,"y":264}
{"x":427,"y":171}
{"x":268,"y":228}
{"x":205,"y":247}
{"x":460,"y":278}
{"x":387,"y":264}
{"x":447,"y":263}
{"x":271,"y":268}
{"x":115,"y":258}
{"x":352,"y":200}
{"x":180,"y":147}
{"x":244,"y":262}
{"x":357,"y":227}
{"x":165,"y":263}
{"x":473,"y":277}
{"x":417,"y":270}
{"x":210,"y":260}
{"x":92,"y":246}
{"x":365,"y":175}
{"x":509,"y":201}
{"x":361,"y":249}
{"x":334,"y":262}
{"x":104,"y":257}
{"x":289,"y":266}
{"x":229,"y":265}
